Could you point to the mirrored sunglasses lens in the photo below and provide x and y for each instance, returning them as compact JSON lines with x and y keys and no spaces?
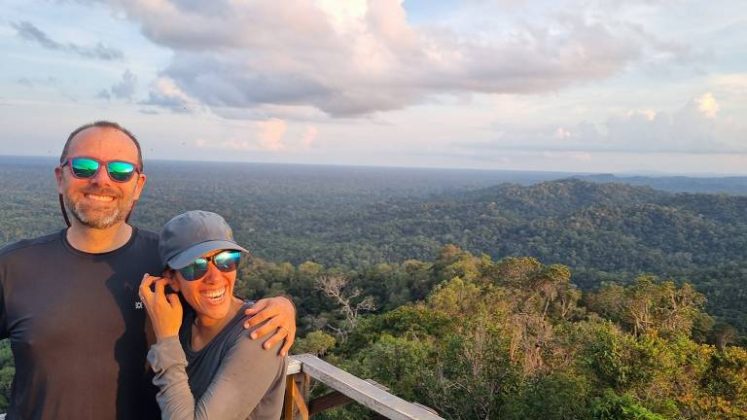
{"x":227,"y":260}
{"x":121,"y":171}
{"x":84,"y":168}
{"x":194,"y":271}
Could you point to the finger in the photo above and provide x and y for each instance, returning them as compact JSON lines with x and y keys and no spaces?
{"x":147,"y":280}
{"x":267,"y":328}
{"x":173,"y":299}
{"x":161,"y":287}
{"x":257,"y":307}
{"x":176,"y":304}
{"x":289,"y":339}
{"x":259,"y":318}
{"x":274,"y":339}
{"x":144,"y":290}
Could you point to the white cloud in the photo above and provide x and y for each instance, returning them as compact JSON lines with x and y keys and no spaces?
{"x":562,"y":133}
{"x":356,"y":57}
{"x":238,"y":145}
{"x":489,"y":83}
{"x":270,"y":134}
{"x":124,"y":89}
{"x":734,"y":82}
{"x":707,"y":105}
{"x":695,"y":127}
{"x":166,"y":93}
{"x":309,"y":136}
{"x":31,"y":33}
{"x":648,"y":114}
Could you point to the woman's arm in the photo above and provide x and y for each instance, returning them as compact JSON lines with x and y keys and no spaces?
{"x":249,"y":380}
{"x":248,"y":376}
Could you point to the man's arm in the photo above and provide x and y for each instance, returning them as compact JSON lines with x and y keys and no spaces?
{"x":250,"y":380}
{"x":4,"y":333}
{"x":280,"y":316}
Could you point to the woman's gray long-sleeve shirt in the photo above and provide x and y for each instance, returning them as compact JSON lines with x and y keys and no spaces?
{"x":232,"y":377}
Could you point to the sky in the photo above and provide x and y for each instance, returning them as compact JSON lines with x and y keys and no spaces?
{"x":637,"y":86}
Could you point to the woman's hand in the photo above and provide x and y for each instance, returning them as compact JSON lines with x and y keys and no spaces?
{"x":165,"y":311}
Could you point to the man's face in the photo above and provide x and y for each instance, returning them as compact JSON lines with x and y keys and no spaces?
{"x":99,"y":202}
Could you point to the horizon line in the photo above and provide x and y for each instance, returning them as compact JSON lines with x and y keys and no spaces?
{"x":621,"y":174}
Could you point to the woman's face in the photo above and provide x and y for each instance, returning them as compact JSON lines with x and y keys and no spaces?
{"x":210,"y":295}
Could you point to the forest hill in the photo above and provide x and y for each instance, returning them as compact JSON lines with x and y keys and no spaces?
{"x":570,"y":327}
{"x":516,"y":339}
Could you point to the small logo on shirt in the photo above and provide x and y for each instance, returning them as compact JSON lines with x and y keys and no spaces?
{"x":138,"y":305}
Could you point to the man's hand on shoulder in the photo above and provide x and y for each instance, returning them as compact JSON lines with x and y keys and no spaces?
{"x":280,"y":316}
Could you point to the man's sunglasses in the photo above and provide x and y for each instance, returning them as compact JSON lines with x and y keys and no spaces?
{"x":225,"y":261}
{"x":86,"y":167}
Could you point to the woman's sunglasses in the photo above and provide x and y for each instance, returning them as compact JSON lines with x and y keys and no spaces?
{"x":224,"y":261}
{"x":86,"y":167}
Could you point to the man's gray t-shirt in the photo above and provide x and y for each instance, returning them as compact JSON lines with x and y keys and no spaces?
{"x":232,"y":377}
{"x":77,"y":328}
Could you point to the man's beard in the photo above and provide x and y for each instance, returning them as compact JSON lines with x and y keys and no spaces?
{"x":97,"y":219}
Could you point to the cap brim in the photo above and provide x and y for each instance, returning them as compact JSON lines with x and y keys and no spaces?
{"x":186,"y":257}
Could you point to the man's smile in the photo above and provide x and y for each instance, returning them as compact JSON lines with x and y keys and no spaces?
{"x":101,"y":198}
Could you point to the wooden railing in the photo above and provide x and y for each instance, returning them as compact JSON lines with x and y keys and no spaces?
{"x":347,"y":388}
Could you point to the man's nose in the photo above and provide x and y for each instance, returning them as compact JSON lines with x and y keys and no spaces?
{"x":101,"y":176}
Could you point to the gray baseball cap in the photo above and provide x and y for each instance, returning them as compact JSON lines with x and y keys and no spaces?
{"x":192,"y":234}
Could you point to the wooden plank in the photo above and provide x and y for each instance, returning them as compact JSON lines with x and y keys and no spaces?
{"x":298,"y":400}
{"x":426,"y":407}
{"x":332,"y":400}
{"x":288,"y":405}
{"x":361,"y":391}
{"x":294,"y":366}
{"x":294,"y":400}
{"x":336,"y":399}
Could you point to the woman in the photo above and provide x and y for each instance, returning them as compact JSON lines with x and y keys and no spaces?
{"x":206,"y":366}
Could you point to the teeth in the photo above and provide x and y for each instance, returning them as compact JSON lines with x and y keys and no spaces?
{"x":214,"y":294}
{"x":100,"y":197}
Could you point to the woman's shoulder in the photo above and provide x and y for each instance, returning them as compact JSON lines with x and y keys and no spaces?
{"x":235,"y":331}
{"x":249,"y":348}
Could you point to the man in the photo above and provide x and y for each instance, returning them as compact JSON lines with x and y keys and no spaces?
{"x":69,"y":301}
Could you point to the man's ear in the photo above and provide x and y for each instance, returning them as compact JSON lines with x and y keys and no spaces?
{"x":141,"y":178}
{"x":58,"y":177}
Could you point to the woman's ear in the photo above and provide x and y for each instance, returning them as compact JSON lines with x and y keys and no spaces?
{"x":171,"y":276}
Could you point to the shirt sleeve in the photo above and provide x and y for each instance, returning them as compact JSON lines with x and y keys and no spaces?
{"x":4,"y":333}
{"x":250,"y":383}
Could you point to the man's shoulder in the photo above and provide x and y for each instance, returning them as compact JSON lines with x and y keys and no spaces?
{"x":25,"y":244}
{"x":144,"y":247}
{"x":145,"y":238}
{"x":145,"y":235}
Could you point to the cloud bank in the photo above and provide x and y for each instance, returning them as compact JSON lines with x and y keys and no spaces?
{"x":29,"y":32}
{"x":352,"y":57}
{"x":124,"y":89}
{"x":696,"y":127}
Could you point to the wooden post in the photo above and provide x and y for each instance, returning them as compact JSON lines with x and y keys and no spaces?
{"x":295,"y":400}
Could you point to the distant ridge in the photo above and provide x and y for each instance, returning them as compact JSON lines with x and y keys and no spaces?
{"x":729,"y":185}
{"x":453,"y":177}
